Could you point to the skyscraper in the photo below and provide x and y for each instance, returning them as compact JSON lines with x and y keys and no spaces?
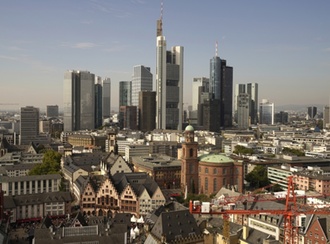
{"x":169,"y":83}
{"x":199,"y":86}
{"x":125,"y":93}
{"x":311,"y":111}
{"x":267,"y":111}
{"x":252,"y":90}
{"x":79,"y":100}
{"x":147,"y":110}
{"x":141,"y":81}
{"x":52,"y":111}
{"x":98,"y":101}
{"x":106,"y":98}
{"x":243,"y":109}
{"x":239,"y":88}
{"x":29,"y":125}
{"x":326,"y":117}
{"x":221,"y":88}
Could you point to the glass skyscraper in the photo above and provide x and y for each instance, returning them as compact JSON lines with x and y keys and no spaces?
{"x":78,"y":100}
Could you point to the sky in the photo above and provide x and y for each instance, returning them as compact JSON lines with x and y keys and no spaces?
{"x":284,"y":46}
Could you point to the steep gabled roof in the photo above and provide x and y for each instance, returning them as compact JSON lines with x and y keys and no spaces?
{"x":175,"y":225}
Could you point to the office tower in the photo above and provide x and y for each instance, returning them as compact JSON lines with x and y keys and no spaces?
{"x":243,"y":110}
{"x":198,"y":83}
{"x":29,"y":125}
{"x":326,"y":117}
{"x":266,"y":112}
{"x":128,"y":117}
{"x":204,"y":97}
{"x":125,"y":93}
{"x":106,"y":98}
{"x":239,"y":88}
{"x":79,"y":100}
{"x":282,"y":117}
{"x":211,"y":116}
{"x":169,"y":83}
{"x":252,"y":90}
{"x":52,"y":111}
{"x":311,"y":111}
{"x":98,"y":102}
{"x":221,"y":88}
{"x":141,"y":81}
{"x":147,"y":110}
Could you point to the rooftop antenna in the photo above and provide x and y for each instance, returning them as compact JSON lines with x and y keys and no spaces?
{"x":160,"y":21}
{"x":216,"y":48}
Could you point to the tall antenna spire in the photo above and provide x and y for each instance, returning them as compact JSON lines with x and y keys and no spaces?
{"x":216,"y":48}
{"x":160,"y":21}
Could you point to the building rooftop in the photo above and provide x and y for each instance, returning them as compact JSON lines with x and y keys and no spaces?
{"x":215,"y":158}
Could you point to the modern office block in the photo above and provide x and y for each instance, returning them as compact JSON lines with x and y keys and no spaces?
{"x":79,"y":100}
{"x":252,"y":90}
{"x":147,"y":110}
{"x":239,"y":88}
{"x":267,"y":112}
{"x":29,"y":125}
{"x":52,"y":111}
{"x":311,"y":111}
{"x":128,"y":116}
{"x":169,"y":83}
{"x":326,"y":117}
{"x":221,"y":88}
{"x":141,"y":81}
{"x":106,"y":98}
{"x":243,"y":110}
{"x":125,"y":93}
{"x":98,"y":102}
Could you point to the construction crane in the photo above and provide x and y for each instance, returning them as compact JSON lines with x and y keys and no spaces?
{"x":290,"y":213}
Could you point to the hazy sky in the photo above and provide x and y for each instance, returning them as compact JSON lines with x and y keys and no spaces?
{"x":282,"y":45}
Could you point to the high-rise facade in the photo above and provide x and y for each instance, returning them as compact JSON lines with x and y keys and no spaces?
{"x":125,"y":93}
{"x":252,"y":90}
{"x":52,"y":111}
{"x":267,"y":111}
{"x":98,"y":101}
{"x":29,"y":125}
{"x":326,"y":117}
{"x":106,"y":98}
{"x":239,"y":88}
{"x":79,"y":100}
{"x":199,"y":86}
{"x":221,"y":88}
{"x":147,"y":110}
{"x":141,"y":81}
{"x":243,"y":109}
{"x":311,"y":111}
{"x":169,"y":83}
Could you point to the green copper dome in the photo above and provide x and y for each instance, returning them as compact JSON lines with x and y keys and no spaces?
{"x":189,"y":128}
{"x":215,"y":158}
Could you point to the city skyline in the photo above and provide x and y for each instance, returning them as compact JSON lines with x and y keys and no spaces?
{"x":282,"y":46}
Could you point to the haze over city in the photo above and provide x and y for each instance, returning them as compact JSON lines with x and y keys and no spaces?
{"x":283,"y":46}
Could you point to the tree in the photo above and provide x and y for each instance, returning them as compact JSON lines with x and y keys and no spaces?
{"x":243,"y":150}
{"x":258,"y":177}
{"x":292,"y":151}
{"x":51,"y":164}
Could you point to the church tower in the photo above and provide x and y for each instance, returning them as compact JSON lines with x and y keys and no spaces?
{"x":189,"y":162}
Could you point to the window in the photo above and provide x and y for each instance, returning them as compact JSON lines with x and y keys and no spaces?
{"x":214,"y":184}
{"x":206,"y":170}
{"x":206,"y":184}
{"x":215,"y":171}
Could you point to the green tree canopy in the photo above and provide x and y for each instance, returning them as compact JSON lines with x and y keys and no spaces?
{"x":292,"y":151}
{"x":258,"y":177}
{"x":243,"y":150}
{"x":51,"y":164}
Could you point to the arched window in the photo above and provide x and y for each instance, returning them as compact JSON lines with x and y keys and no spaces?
{"x":215,"y":188}
{"x":191,"y":152}
{"x":206,"y":184}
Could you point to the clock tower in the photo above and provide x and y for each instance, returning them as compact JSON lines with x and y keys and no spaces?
{"x":189,"y":162}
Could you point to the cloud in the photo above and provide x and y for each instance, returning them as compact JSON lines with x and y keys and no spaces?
{"x":9,"y":58}
{"x":41,"y":66}
{"x":139,"y":1}
{"x":327,"y":49}
{"x":86,"y":22}
{"x":107,"y":8}
{"x":84,"y":45}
